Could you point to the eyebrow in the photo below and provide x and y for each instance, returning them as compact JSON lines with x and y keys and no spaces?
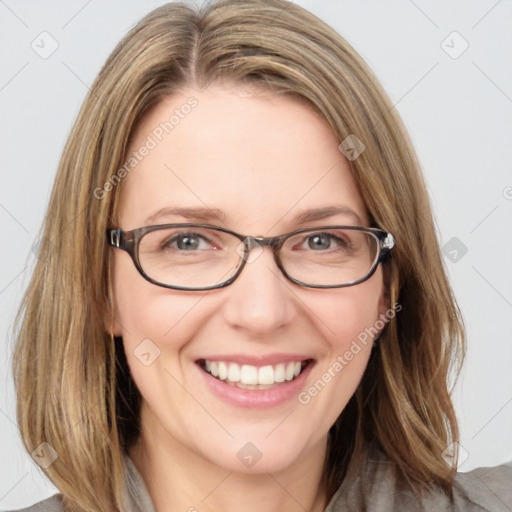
{"x":214,"y":214}
{"x":202,"y":214}
{"x":324,"y":213}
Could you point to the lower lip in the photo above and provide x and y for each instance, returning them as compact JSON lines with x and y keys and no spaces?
{"x":256,"y":398}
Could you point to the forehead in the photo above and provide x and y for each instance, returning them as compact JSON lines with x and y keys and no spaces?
{"x":258,"y":158}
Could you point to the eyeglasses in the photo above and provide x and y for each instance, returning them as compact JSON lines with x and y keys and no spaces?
{"x":204,"y":257}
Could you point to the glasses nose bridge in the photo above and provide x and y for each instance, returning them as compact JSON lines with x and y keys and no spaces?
{"x":258,"y":243}
{"x":274,"y":242}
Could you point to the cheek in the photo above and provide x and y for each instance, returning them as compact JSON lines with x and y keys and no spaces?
{"x":350,"y":314}
{"x":145,"y":311}
{"x":347,"y":319}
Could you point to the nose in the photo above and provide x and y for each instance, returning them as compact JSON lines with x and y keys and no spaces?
{"x":261,"y":300}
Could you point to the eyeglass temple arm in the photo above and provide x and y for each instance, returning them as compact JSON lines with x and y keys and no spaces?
{"x":115,"y":238}
{"x":386,"y":244}
{"x":123,"y":240}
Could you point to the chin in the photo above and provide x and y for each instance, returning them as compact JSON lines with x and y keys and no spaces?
{"x":259,"y":452}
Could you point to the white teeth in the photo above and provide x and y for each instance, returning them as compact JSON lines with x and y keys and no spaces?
{"x":279,"y":372}
{"x":266,"y":375}
{"x":248,"y":375}
{"x":290,"y":371}
{"x":234,"y":372}
{"x":223,"y":370}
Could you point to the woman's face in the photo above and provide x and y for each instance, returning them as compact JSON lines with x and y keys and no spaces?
{"x":255,"y":164}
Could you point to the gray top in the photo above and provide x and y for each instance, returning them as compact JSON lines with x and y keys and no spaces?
{"x":372,"y":490}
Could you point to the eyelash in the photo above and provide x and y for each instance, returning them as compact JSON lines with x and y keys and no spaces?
{"x":167,"y":244}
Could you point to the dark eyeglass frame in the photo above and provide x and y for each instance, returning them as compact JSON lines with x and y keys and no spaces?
{"x":129,"y":241}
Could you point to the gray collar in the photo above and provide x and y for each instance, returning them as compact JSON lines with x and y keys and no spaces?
{"x":136,"y":497}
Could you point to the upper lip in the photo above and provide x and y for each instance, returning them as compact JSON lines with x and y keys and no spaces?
{"x":264,"y":360}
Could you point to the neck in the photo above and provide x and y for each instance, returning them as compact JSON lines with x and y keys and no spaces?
{"x":178,"y":478}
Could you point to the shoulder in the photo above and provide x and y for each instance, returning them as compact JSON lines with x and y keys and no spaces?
{"x":52,"y":504}
{"x":373,"y":487}
{"x":490,"y":488}
{"x":135,"y":495}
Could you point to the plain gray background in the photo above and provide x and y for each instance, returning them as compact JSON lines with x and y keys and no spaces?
{"x":456,"y":103}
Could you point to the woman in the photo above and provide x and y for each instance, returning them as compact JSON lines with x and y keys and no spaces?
{"x":252,"y":309}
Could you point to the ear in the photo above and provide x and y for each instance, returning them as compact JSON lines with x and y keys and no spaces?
{"x":384,"y":305}
{"x":112,"y":325}
{"x":384,"y":308}
{"x":111,"y":320}
{"x":115,"y":328}
{"x":111,"y":316}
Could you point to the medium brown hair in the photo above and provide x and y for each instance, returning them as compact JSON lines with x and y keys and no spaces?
{"x":73,"y":385}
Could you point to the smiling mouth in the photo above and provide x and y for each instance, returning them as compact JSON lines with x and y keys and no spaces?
{"x":247,"y":376}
